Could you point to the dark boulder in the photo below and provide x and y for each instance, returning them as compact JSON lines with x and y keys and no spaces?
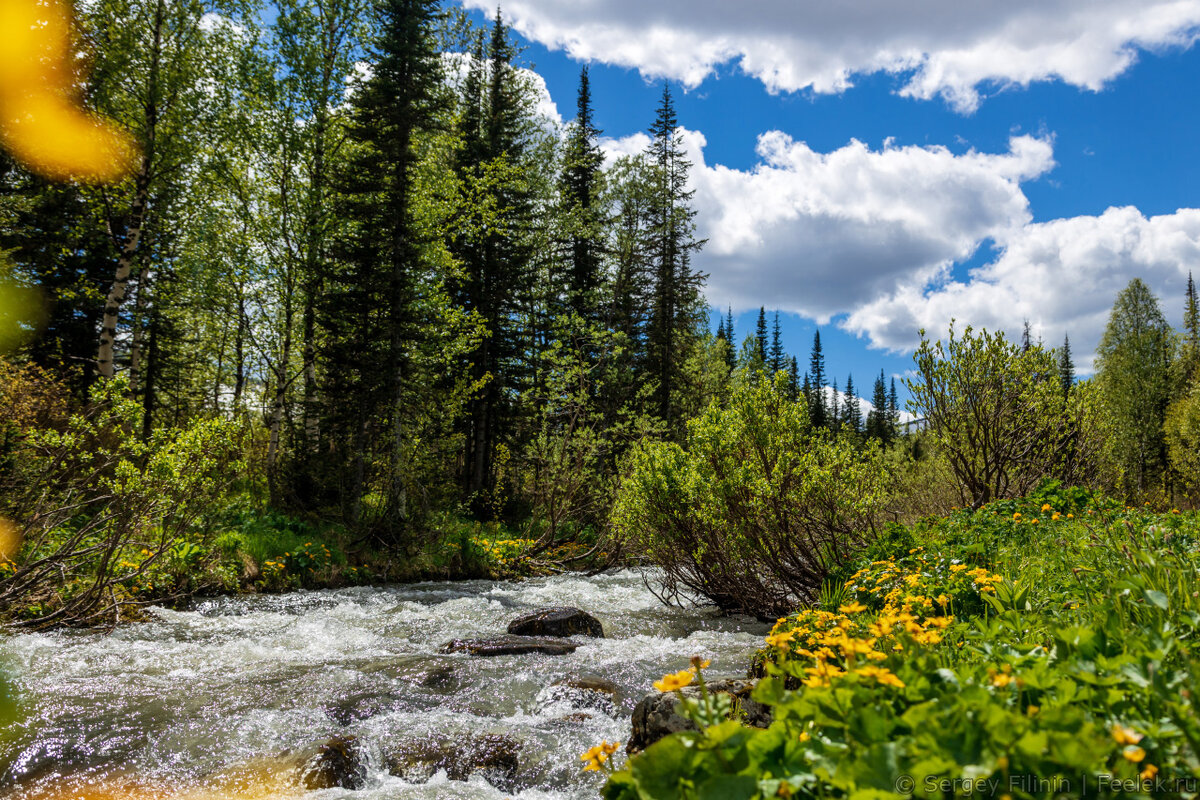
{"x":336,"y":763}
{"x":509,"y":646}
{"x":657,"y":714}
{"x":563,"y":621}
{"x":492,"y":755}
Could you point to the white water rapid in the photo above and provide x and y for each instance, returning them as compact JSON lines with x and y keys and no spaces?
{"x":202,"y":703}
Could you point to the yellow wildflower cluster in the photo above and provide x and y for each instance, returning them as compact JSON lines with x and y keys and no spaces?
{"x":919,"y":581}
{"x":596,"y":756}
{"x":828,"y":645}
{"x":503,"y":550}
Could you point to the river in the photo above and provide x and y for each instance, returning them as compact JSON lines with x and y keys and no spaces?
{"x":201,"y":703}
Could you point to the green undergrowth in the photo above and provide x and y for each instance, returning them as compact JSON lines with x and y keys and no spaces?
{"x":1035,"y":648}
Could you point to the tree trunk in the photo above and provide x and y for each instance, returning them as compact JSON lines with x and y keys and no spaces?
{"x":137,"y":212}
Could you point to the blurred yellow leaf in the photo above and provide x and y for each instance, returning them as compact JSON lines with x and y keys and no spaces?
{"x":41,"y":122}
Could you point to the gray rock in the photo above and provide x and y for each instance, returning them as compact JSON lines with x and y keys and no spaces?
{"x":509,"y":646}
{"x":657,"y":716}
{"x":560,"y":621}
{"x":494,"y":756}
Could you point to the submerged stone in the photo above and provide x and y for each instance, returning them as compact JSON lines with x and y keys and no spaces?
{"x":557,"y":621}
{"x":492,"y":755}
{"x":510,"y":646}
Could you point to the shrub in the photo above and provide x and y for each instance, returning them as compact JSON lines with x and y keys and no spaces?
{"x":108,"y":518}
{"x":759,"y":507}
{"x":998,"y":415}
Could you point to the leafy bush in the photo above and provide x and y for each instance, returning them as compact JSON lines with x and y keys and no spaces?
{"x":108,"y":518}
{"x":998,"y":414}
{"x":1065,"y":668}
{"x":757,"y":510}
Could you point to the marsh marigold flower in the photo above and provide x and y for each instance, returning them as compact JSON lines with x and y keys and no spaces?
{"x":675,"y":681}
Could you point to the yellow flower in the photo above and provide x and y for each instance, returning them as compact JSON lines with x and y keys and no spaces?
{"x":675,"y":681}
{"x":940,"y":622}
{"x":1055,"y":517}
{"x":1016,"y":515}
{"x":852,"y":608}
{"x":1148,"y":773}
{"x":882,"y":675}
{"x":1001,"y":679}
{"x":1031,"y":710}
{"x":780,"y":640}
{"x":597,"y":756}
{"x":1045,"y":506}
{"x":804,"y":737}
{"x":1133,"y":753}
{"x":1123,"y":735}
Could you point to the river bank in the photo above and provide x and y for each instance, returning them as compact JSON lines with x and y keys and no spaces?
{"x":183,"y":702}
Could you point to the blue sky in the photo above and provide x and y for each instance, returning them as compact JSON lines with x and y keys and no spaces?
{"x":873,"y":169}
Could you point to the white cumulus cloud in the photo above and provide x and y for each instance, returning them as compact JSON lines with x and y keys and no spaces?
{"x":946,"y":48}
{"x":1062,"y":276}
{"x":820,"y":234}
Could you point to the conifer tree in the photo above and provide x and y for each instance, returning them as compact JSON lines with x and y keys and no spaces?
{"x":852,"y":411}
{"x":1066,"y":366}
{"x":671,"y":243}
{"x":730,"y":352}
{"x":776,"y":357}
{"x":793,"y":379}
{"x":579,"y":189}
{"x":372,"y":310}
{"x":893,"y":411}
{"x":878,"y":426}
{"x":760,"y":336}
{"x":835,"y":407}
{"x":496,"y":256}
{"x":817,"y":408}
{"x":1026,"y":337}
{"x":1189,"y":356}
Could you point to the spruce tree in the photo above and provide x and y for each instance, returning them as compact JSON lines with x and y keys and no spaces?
{"x":852,"y":413}
{"x":893,"y":411}
{"x":670,"y":225}
{"x":1066,"y":366}
{"x":1026,"y":337}
{"x":760,"y":336}
{"x":1189,"y":356}
{"x":579,"y":189}
{"x":495,"y":253}
{"x":373,"y":306}
{"x":835,"y":407}
{"x":776,"y":357}
{"x":793,"y":379}
{"x":817,"y":408}
{"x":730,"y":352}
{"x":878,"y":426}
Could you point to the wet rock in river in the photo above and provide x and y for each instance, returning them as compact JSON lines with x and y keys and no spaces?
{"x":336,"y":763}
{"x":361,"y":706}
{"x":493,"y":755}
{"x":509,"y":646}
{"x":589,"y":693}
{"x":558,"y":621}
{"x":657,"y":715}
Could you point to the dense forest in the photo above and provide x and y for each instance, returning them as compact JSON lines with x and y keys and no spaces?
{"x":354,"y":288}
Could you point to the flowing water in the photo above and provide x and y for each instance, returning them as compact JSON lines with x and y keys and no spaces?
{"x":203,"y":702}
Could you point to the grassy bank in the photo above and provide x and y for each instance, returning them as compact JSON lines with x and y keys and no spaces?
{"x":251,"y":550}
{"x":1035,"y":648}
